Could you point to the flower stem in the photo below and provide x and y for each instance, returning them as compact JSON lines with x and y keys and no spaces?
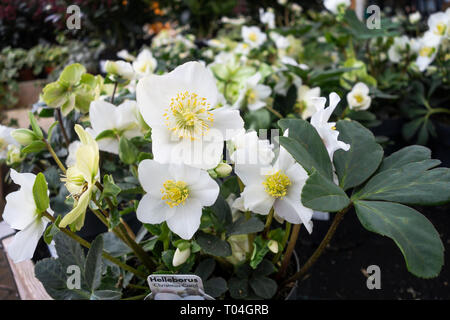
{"x":114,"y":92}
{"x":268,"y":223}
{"x":300,"y":274}
{"x":61,"y":125}
{"x":275,"y":112}
{"x":105,"y":255}
{"x":55,"y":157}
{"x":289,"y":250}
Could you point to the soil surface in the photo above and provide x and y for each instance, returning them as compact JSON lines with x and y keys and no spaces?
{"x":340,"y":273}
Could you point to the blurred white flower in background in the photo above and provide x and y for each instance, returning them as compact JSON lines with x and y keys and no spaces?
{"x":398,"y":49}
{"x":336,"y":5}
{"x":5,"y":140}
{"x":358,"y":98}
{"x":414,"y":17}
{"x":267,"y":17}
{"x":253,"y":36}
{"x":145,"y":64}
{"x":305,"y":100}
{"x":253,"y":95}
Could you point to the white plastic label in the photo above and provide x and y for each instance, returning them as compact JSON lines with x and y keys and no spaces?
{"x":176,"y":286}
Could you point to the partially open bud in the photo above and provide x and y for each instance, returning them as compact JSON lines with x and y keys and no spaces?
{"x":273,"y":246}
{"x":14,"y":155}
{"x":24,"y":136}
{"x":180,"y":256}
{"x":120,"y":68}
{"x":223,"y":170}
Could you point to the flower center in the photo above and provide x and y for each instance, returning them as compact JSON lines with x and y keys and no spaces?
{"x":426,"y":51}
{"x":188,"y":115}
{"x":440,"y":28}
{"x":359,"y":98}
{"x":251,"y":96}
{"x":252,"y":36}
{"x":277,"y":184}
{"x":174,"y":192}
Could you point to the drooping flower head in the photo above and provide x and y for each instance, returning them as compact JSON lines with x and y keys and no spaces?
{"x":327,"y":130}
{"x":80,"y":178}
{"x":181,"y":108}
{"x":176,"y":193}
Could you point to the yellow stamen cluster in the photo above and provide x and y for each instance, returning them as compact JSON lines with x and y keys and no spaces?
{"x":251,"y":96}
{"x":252,"y":36}
{"x":277,"y":184}
{"x":426,"y":51}
{"x":359,"y":98}
{"x":440,"y":29}
{"x":188,"y":115}
{"x":174,"y":192}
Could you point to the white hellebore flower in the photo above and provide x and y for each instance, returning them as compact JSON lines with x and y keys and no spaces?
{"x":414,"y":17}
{"x":176,"y":193}
{"x":121,"y":120}
{"x":327,"y":130}
{"x":281,"y":42}
{"x":253,"y":95}
{"x":427,"y":48}
{"x":120,"y":68}
{"x":439,"y":24}
{"x":253,"y":36}
{"x":358,"y":98}
{"x":278,"y":186}
{"x":336,"y":5}
{"x":267,"y":17}
{"x":144,"y":64}
{"x":248,"y":148}
{"x":21,"y":214}
{"x":180,"y":109}
{"x":305,"y":100}
{"x":398,"y":48}
{"x":5,"y":140}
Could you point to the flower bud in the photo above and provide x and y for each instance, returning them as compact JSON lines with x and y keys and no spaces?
{"x":14,"y":155}
{"x":273,"y":246}
{"x":223,"y":170}
{"x":180,"y":256}
{"x":120,"y":68}
{"x":24,"y":136}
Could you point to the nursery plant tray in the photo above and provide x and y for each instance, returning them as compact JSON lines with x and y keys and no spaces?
{"x":29,"y":287}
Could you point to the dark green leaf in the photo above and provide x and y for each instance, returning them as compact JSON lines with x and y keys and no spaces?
{"x":215,"y":287}
{"x":238,"y":288}
{"x":205,"y":268}
{"x":51,"y":230}
{"x":128,"y":152}
{"x":213,"y":245}
{"x":306,"y":146}
{"x":404,"y":156}
{"x":356,"y":165}
{"x":412,"y":183}
{"x":263,"y":286}
{"x":321,"y":194}
{"x":243,"y":226}
{"x":93,"y":265}
{"x":416,"y":237}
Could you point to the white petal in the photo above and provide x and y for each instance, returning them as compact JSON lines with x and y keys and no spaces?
{"x":186,"y":220}
{"x":153,"y":210}
{"x":249,"y":173}
{"x":24,"y":243}
{"x":20,"y":209}
{"x":103,"y":115}
{"x":152,"y":176}
{"x":294,"y":212}
{"x":256,"y":199}
{"x":25,"y":180}
{"x":109,"y":145}
{"x":228,"y":121}
{"x":205,"y":189}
